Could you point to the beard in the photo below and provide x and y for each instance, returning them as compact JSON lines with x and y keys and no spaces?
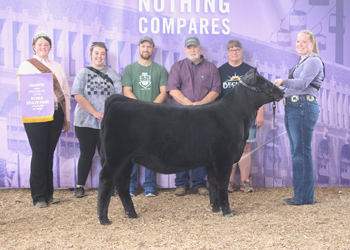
{"x":145,"y":57}
{"x":191,"y":58}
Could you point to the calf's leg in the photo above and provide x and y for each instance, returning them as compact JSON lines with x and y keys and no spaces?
{"x":104,"y":195}
{"x":122,"y":185}
{"x":222,"y":179}
{"x":213,"y":191}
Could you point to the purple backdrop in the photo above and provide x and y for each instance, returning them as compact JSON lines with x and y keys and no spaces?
{"x":267,"y":30}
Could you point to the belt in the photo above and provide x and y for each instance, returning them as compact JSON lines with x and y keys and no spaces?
{"x":296,"y":98}
{"x":57,"y":105}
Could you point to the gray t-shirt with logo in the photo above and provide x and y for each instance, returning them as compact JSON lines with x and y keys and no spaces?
{"x":96,"y":90}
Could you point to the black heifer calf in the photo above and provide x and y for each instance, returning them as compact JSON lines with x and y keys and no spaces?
{"x":170,"y":139}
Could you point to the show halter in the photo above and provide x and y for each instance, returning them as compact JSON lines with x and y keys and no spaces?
{"x":257,"y":89}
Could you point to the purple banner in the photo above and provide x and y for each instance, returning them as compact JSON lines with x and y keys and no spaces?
{"x":36,"y":97}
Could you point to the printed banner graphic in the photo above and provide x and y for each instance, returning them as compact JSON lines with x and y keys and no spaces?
{"x":268,"y":33}
{"x":36,"y":97}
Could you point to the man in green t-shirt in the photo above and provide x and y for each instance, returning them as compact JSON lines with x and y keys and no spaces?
{"x":145,"y":80}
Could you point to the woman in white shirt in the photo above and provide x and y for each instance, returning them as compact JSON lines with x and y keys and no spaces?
{"x":43,"y":136}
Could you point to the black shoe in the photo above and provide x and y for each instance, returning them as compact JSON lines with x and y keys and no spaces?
{"x":79,"y":192}
{"x":40,"y":204}
{"x":289,"y":201}
{"x":53,"y":200}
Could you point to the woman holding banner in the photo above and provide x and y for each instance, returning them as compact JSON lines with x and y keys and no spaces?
{"x":91,"y":87}
{"x":42,"y":134}
{"x":301,"y":114}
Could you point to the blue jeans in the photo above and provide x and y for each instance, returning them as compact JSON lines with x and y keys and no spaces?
{"x":150,"y":178}
{"x":198,"y":178}
{"x":300,"y":120}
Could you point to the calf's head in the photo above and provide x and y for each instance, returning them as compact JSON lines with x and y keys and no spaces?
{"x":259,"y":84}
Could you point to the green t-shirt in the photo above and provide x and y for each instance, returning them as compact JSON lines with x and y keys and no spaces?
{"x":145,"y":81}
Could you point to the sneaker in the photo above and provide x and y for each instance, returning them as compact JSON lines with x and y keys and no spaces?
{"x":289,"y":201}
{"x":79,"y":192}
{"x":203,"y":191}
{"x":132,"y":192}
{"x":149,"y":192}
{"x":231,"y":187}
{"x":180,"y":191}
{"x":246,"y":187}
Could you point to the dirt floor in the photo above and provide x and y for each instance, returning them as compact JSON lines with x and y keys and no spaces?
{"x":170,"y":222}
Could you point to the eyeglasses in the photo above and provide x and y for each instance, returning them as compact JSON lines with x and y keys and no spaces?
{"x":234,"y":50}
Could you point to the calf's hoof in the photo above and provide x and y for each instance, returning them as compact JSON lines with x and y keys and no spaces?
{"x":105,"y":222}
{"x":131,"y":215}
{"x":216,"y":209}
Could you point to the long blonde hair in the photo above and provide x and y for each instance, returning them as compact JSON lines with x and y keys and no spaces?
{"x":312,"y":39}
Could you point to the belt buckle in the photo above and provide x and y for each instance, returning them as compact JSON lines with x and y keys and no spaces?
{"x":56,"y":105}
{"x":294,"y":98}
{"x":284,"y":101}
{"x":310,"y":98}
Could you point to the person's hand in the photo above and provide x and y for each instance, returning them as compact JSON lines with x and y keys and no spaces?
{"x":66,"y":127}
{"x":187,"y":102}
{"x":197,"y":103}
{"x":98,"y":115}
{"x":259,"y":122}
{"x":278,"y":82}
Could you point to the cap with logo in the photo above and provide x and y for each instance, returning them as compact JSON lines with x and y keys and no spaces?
{"x":146,"y":38}
{"x":192,"y":41}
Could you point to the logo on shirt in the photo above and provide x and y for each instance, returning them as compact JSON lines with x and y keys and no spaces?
{"x":97,"y":86}
{"x":145,"y":81}
{"x":231,"y":82}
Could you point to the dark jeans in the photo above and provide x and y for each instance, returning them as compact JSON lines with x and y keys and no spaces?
{"x":150,"y":178}
{"x":43,"y":138}
{"x":198,"y":178}
{"x":89,"y":139}
{"x":300,"y":120}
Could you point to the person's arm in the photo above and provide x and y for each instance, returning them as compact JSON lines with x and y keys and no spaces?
{"x":312,"y":67}
{"x":127,"y":91}
{"x":128,"y":83}
{"x":87,"y":107}
{"x":210,"y":97}
{"x":117,"y":83}
{"x":163,"y":95}
{"x":174,"y":85}
{"x":180,"y":97}
{"x":259,"y":120}
{"x":163,"y":80}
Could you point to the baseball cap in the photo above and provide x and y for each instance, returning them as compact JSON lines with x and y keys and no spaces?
{"x":146,"y":38}
{"x":192,"y":41}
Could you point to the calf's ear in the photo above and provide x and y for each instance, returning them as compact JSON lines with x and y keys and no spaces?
{"x":249,"y":72}
{"x":255,"y":74}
